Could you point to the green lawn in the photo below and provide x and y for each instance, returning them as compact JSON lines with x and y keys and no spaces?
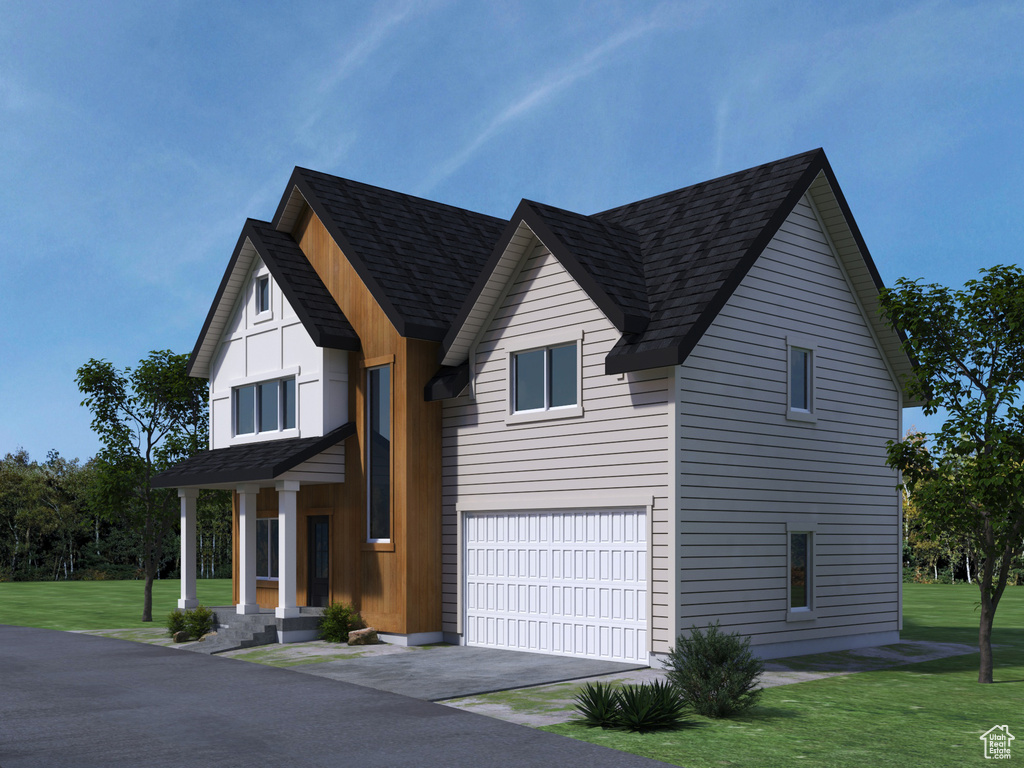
{"x":97,"y":604}
{"x":928,"y":715}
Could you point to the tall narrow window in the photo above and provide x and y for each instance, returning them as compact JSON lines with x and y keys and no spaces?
{"x":378,"y":454}
{"x":288,"y":404}
{"x":799,"y":571}
{"x":266,"y":548}
{"x":245,"y":410}
{"x":268,"y":406}
{"x":262,"y":294}
{"x":799,"y":379}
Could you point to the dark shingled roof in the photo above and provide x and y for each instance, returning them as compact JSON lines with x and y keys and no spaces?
{"x":609,"y":255}
{"x":302,"y":286}
{"x":248,"y":463}
{"x":417,"y":257}
{"x":698,"y":243}
{"x":305,"y":291}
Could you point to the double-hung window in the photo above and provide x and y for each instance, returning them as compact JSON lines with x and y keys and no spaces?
{"x":266,"y":548}
{"x":545,"y":379}
{"x":268,"y":406}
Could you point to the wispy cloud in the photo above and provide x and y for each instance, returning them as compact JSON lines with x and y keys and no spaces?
{"x":553,"y":83}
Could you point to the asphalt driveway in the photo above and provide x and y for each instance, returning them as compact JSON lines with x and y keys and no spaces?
{"x":72,"y":699}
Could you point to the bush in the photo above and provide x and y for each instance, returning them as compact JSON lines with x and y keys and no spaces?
{"x":598,"y":703}
{"x":196,"y":621}
{"x":175,"y":621}
{"x":644,"y":707}
{"x":649,"y":706}
{"x":337,"y":620}
{"x":716,"y":673}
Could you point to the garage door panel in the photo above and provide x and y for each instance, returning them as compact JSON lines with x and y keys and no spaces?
{"x":568,"y":582}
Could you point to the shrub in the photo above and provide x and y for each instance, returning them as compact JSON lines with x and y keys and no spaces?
{"x":196,"y":621}
{"x":175,"y":621}
{"x":644,"y":707}
{"x":715,"y":672}
{"x":649,"y":706}
{"x":337,"y":620}
{"x":598,"y":703}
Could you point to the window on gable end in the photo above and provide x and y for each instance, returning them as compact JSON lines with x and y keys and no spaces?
{"x":545,"y":378}
{"x":262,"y":294}
{"x":800,"y":376}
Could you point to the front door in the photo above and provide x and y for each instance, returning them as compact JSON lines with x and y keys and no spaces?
{"x":319,"y":592}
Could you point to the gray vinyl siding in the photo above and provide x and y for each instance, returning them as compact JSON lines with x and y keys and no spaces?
{"x":745,"y":470}
{"x":620,"y":443}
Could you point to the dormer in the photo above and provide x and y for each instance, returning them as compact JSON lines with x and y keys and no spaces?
{"x":274,"y":347}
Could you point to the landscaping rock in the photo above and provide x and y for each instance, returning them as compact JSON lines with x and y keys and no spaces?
{"x":208,"y":634}
{"x":366,"y":636}
{"x":181,"y":636}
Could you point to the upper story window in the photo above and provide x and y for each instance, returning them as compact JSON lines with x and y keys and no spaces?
{"x":800,"y":380}
{"x":262,"y":294}
{"x":545,"y":378}
{"x":265,"y":407}
{"x":378,"y":454}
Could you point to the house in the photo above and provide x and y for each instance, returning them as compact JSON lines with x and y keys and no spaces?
{"x":565,"y":433}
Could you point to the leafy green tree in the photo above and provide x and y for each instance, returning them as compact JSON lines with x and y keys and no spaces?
{"x":147,"y":419}
{"x":967,"y":479}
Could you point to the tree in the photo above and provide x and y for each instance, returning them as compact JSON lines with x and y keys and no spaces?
{"x":967,"y":479}
{"x":147,"y":419}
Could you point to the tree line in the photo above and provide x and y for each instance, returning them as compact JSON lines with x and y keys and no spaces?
{"x":55,"y":526}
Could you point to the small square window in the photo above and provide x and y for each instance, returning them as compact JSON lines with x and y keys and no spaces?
{"x":262,"y":295}
{"x":545,"y":379}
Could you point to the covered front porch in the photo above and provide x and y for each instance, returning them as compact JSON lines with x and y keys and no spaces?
{"x":268,"y":546}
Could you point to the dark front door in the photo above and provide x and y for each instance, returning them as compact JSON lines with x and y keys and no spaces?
{"x":319,"y":592}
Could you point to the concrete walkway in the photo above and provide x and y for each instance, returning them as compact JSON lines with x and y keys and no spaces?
{"x":75,"y":699}
{"x":453,"y":671}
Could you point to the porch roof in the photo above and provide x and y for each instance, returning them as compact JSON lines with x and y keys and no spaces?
{"x":254,"y":462}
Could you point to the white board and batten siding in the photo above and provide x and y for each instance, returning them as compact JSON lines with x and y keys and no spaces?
{"x":590,"y":470}
{"x":746,"y":471}
{"x":272,"y":346}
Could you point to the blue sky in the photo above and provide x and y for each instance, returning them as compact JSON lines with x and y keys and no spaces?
{"x":135,"y":138}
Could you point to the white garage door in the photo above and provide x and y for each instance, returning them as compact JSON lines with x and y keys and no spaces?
{"x":569,"y":582}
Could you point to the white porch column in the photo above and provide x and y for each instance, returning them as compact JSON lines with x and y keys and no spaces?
{"x":288,"y":556}
{"x":247,"y":549}
{"x":188,"y":547}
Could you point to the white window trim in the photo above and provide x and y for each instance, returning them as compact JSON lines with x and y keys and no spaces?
{"x":810,"y":613}
{"x":798,"y":414}
{"x":545,"y":340}
{"x":259,"y":436}
{"x":267,"y":314}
